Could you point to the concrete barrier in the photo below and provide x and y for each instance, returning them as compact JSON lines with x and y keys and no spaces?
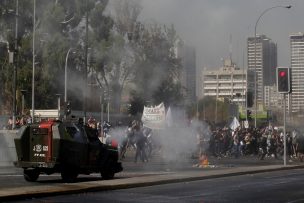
{"x":7,"y":147}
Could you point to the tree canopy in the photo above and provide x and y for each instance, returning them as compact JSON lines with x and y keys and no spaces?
{"x":126,"y":58}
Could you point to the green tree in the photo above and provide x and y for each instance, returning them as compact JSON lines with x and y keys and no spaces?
{"x":61,"y":28}
{"x":122,"y":52}
{"x":157,"y":66}
{"x":211,"y":110}
{"x":7,"y":35}
{"x":170,"y":93}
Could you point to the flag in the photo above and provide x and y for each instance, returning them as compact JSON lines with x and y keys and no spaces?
{"x":234,"y":124}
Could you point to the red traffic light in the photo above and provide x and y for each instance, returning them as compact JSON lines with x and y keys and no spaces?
{"x":282,"y":73}
{"x":283,"y":80}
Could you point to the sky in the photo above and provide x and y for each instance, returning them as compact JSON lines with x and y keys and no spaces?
{"x":208,"y":24}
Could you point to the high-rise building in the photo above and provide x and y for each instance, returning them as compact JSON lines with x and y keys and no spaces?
{"x":296,"y":98}
{"x":262,"y":58}
{"x":189,"y":73}
{"x":188,"y":77}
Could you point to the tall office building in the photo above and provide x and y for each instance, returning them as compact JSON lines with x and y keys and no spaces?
{"x":189,"y":73}
{"x":188,"y":76}
{"x":262,"y":57}
{"x":296,"y":98}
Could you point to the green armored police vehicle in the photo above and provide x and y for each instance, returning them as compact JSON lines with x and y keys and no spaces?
{"x":67,"y":147}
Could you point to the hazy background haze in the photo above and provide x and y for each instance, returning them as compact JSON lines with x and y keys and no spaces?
{"x":208,"y":24}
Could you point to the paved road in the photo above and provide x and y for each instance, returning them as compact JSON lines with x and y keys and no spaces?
{"x":279,"y":186}
{"x":12,"y":177}
{"x":157,"y":171}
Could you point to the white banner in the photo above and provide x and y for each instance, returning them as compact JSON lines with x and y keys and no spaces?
{"x":234,"y":124}
{"x":154,"y":117}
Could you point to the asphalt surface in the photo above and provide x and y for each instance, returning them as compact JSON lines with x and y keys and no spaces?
{"x":155,"y":172}
{"x":275,"y":186}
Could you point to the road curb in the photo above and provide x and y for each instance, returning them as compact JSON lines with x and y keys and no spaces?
{"x":125,"y":183}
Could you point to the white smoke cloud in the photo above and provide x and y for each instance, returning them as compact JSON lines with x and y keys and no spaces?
{"x":208,"y":24}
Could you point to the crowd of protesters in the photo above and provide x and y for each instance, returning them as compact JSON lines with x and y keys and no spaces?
{"x":262,"y":142}
{"x":135,"y":136}
{"x":140,"y":139}
{"x":222,"y":142}
{"x":20,"y":121}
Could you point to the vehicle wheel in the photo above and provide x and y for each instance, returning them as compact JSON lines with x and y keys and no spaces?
{"x":31,"y":175}
{"x":107,"y":175}
{"x":69,"y":175}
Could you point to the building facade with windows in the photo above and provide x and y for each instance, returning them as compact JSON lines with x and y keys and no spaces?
{"x":272,"y":98}
{"x":262,"y":59}
{"x":296,"y":98}
{"x":228,"y":82}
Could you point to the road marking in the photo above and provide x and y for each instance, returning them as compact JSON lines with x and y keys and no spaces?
{"x":21,"y":175}
{"x":297,"y":200}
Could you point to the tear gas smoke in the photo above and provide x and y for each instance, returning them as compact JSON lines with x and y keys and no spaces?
{"x":181,"y":143}
{"x":5,"y":147}
{"x":3,"y":122}
{"x":177,"y":144}
{"x":118,"y":133}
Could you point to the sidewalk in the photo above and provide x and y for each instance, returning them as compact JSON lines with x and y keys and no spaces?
{"x":10,"y":170}
{"x":135,"y":181}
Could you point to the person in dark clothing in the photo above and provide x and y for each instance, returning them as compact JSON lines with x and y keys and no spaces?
{"x":217,"y":144}
{"x":149,"y":142}
{"x":212,"y":144}
{"x":272,"y":146}
{"x":262,"y":142}
{"x":140,"y":146}
{"x":140,"y":141}
{"x":236,"y":144}
{"x":300,"y":147}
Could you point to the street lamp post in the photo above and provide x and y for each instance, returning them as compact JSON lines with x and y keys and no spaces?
{"x":216,"y":97}
{"x":197,"y":113}
{"x":58,"y":105}
{"x":108,"y":104}
{"x":33,"y":72}
{"x":15,"y":65}
{"x":101,"y":106}
{"x":108,"y":109}
{"x":66,"y":75}
{"x":255,"y":68}
{"x":86,"y":65}
{"x":22,"y":102}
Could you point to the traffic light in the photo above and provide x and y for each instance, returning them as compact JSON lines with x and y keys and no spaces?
{"x":283,"y":79}
{"x":67,"y":108}
{"x":249,"y":114}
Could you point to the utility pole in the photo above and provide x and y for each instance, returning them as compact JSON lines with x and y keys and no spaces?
{"x":284,"y":87}
{"x":23,"y":101}
{"x":15,"y":65}
{"x":255,"y":59}
{"x":58,"y":105}
{"x":284,"y":121}
{"x":33,"y":71}
{"x":86,"y":66}
{"x":101,"y":106}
